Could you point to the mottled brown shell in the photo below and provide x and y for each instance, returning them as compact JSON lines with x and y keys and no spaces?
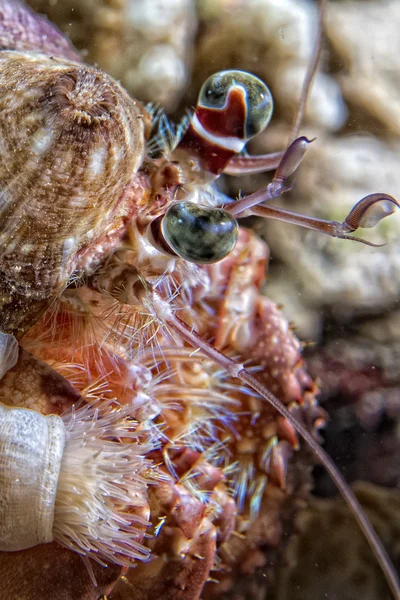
{"x":70,"y":141}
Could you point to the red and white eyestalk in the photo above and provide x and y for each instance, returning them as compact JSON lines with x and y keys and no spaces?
{"x":233,"y":106}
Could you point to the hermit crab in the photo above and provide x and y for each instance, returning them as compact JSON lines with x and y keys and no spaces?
{"x":119,"y":261}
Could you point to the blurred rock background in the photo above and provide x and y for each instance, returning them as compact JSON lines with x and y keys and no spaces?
{"x":342,"y":297}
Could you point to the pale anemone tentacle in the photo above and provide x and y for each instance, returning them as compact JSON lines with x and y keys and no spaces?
{"x":71,"y":479}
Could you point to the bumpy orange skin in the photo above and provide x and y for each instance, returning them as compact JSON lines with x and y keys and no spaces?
{"x":201,"y":530}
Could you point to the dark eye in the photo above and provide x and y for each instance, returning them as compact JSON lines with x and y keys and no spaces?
{"x":199,"y":234}
{"x":259,"y":102}
{"x":216,"y":95}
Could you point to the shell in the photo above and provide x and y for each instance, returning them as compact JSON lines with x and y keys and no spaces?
{"x":9,"y":352}
{"x":31,"y":448}
{"x":80,"y":140}
{"x":22,"y":29}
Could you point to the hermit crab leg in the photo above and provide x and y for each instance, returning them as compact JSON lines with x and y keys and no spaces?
{"x":291,"y":159}
{"x":365,"y":214}
{"x":149,"y":297}
{"x":137,"y":290}
{"x":250,"y":165}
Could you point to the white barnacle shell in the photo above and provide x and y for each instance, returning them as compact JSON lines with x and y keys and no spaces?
{"x":71,"y":479}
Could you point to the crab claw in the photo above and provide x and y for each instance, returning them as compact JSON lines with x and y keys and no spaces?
{"x":368,"y":212}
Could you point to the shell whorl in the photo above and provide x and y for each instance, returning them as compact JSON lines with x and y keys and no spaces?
{"x":70,"y":140}
{"x":23,"y":29}
{"x":31,"y":449}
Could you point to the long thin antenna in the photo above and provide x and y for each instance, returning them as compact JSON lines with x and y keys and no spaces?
{"x":238,"y":370}
{"x":311,"y":72}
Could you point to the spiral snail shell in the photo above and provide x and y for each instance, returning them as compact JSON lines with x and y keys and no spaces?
{"x":71,"y":139}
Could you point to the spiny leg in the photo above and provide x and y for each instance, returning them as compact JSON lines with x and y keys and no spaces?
{"x":165,"y":313}
{"x":145,"y":295}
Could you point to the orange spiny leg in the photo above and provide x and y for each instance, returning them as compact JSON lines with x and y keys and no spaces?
{"x":164,"y":312}
{"x":169,"y":318}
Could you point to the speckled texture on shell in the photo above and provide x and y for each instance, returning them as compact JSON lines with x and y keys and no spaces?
{"x":80,"y":140}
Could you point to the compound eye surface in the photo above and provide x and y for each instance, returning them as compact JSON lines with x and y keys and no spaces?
{"x":199,"y":234}
{"x":258,"y":98}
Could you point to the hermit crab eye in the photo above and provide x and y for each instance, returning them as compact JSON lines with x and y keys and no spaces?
{"x":257,"y":97}
{"x":199,"y":234}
